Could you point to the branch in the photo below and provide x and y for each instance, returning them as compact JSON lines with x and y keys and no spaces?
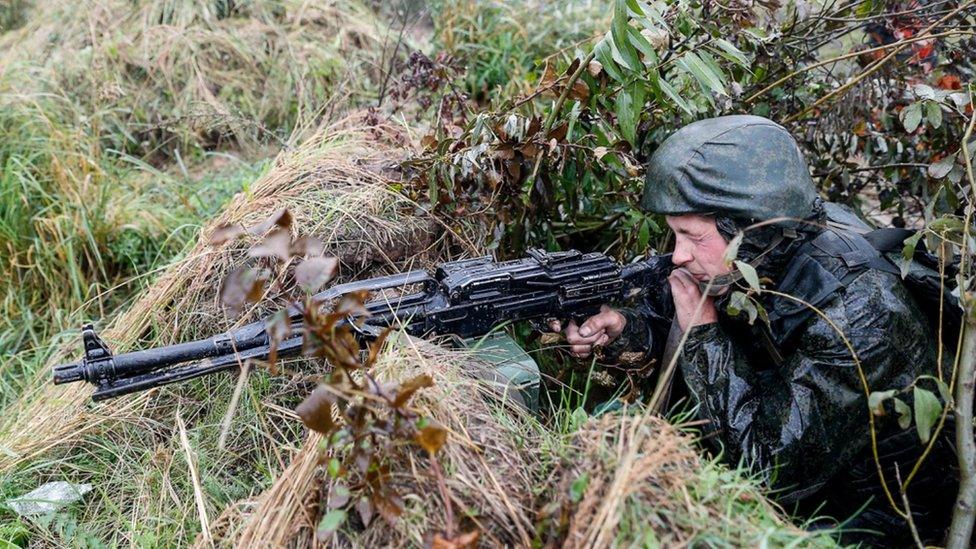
{"x":961,"y":530}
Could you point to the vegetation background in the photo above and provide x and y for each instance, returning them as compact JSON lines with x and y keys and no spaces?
{"x":401,"y":134}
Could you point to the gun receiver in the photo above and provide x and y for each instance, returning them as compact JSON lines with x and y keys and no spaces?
{"x":468,"y":298}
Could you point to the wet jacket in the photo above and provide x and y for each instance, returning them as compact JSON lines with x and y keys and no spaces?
{"x":787,"y":398}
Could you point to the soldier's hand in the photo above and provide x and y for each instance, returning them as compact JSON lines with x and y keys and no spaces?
{"x":600,"y":329}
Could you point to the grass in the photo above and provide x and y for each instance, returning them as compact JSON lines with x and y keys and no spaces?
{"x":124,"y":128}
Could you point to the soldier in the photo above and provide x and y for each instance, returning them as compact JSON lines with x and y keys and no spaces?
{"x":786,"y":396}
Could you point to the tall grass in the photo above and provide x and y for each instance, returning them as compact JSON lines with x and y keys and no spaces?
{"x":110,"y":109}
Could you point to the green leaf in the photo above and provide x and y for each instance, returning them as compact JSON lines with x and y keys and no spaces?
{"x":642,"y":45}
{"x":702,"y":73}
{"x":669,"y":91}
{"x":934,"y":114}
{"x":927,"y":411}
{"x":621,"y":43}
{"x":876,"y":401}
{"x":728,"y":50}
{"x":942,"y":168}
{"x":911,"y":116}
{"x":629,"y":104}
{"x":739,"y":302}
{"x":749,"y":273}
{"x":578,"y":488}
{"x":334,"y":468}
{"x":904,"y":414}
{"x":331,"y":522}
{"x":603,"y":54}
{"x":908,"y":252}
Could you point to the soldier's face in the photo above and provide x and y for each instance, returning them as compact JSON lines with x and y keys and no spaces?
{"x":698,"y":246}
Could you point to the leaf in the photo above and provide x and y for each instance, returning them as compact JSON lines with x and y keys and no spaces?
{"x":732,"y":53}
{"x":940,"y":169}
{"x":307,"y":246}
{"x":578,"y":488}
{"x":603,"y":54}
{"x":669,"y":91}
{"x":739,"y":302}
{"x":316,"y":411}
{"x":749,"y":273}
{"x":277,"y":244}
{"x":331,"y":522}
{"x":923,"y":91}
{"x":876,"y":401}
{"x":732,"y":249}
{"x":904,"y":414}
{"x":281,"y":219}
{"x":241,"y":287}
{"x":702,"y":73}
{"x":627,"y":113}
{"x":621,"y":42}
{"x":911,"y":116}
{"x":908,"y":252}
{"x":411,"y":386}
{"x":934,"y":114}
{"x":315,"y":272}
{"x":432,"y":438}
{"x":225,"y":233}
{"x":927,"y":411}
{"x":365,"y":510}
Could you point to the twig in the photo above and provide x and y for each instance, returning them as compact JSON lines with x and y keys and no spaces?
{"x":961,"y":529}
{"x":845,"y":56}
{"x":232,"y":407}
{"x":873,"y":68}
{"x":908,"y":512}
{"x":442,"y":488}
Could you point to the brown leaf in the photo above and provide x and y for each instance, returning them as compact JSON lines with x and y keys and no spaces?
{"x":535,"y":124}
{"x":504,"y":152}
{"x":559,"y":132}
{"x":411,"y":386}
{"x":461,"y":541}
{"x":529,"y":150}
{"x":572,"y":67}
{"x":278,"y":328}
{"x":432,"y":438}
{"x":548,"y":75}
{"x":281,"y":219}
{"x":307,"y":246}
{"x":429,"y":142}
{"x":388,"y":507}
{"x":241,"y":287}
{"x":316,"y":411}
{"x":365,"y":510}
{"x":352,"y":304}
{"x":580,"y":91}
{"x":277,"y":244}
{"x":314,"y":272}
{"x":376,"y":346}
{"x":225,"y":233}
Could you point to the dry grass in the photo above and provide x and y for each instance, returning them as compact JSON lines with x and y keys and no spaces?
{"x":636,"y":480}
{"x":491,"y":461}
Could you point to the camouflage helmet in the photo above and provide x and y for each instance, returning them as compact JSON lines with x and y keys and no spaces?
{"x":745,"y":167}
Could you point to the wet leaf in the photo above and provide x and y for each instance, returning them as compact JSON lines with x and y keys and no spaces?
{"x":316,"y":411}
{"x":904,"y":414}
{"x":315,"y":272}
{"x":927,"y":412}
{"x":225,"y":233}
{"x":411,"y":386}
{"x":594,"y":68}
{"x":749,"y":274}
{"x":281,"y":219}
{"x":277,"y":244}
{"x":331,"y":522}
{"x":911,"y":116}
{"x":388,"y":507}
{"x":876,"y":401}
{"x":940,"y":169}
{"x":934,"y":114}
{"x":432,"y":438}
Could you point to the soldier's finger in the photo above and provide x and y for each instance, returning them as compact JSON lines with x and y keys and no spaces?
{"x":604,"y":339}
{"x":580,"y":351}
{"x":555,"y":325}
{"x":578,"y":339}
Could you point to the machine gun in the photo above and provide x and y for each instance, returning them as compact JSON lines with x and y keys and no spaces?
{"x":467,"y":298}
